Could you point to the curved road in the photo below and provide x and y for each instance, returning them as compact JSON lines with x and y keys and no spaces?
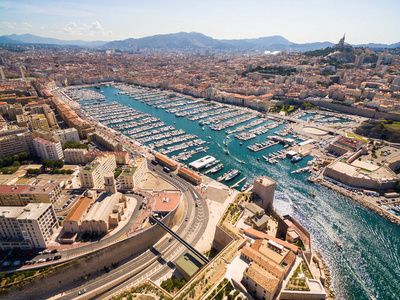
{"x":165,"y":251}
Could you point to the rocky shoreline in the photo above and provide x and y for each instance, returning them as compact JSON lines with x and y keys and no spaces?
{"x":330,"y":294}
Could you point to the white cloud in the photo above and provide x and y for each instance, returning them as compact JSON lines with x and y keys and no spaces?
{"x":94,"y":29}
{"x":6,"y":25}
{"x":42,"y":27}
{"x":27,"y":25}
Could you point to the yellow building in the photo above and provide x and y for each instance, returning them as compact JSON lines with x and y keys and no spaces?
{"x":39,"y":121}
{"x":21,"y":195}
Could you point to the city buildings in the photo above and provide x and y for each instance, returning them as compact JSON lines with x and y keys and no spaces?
{"x":26,"y":227}
{"x":20,"y":195}
{"x":132,"y":174}
{"x":66,"y":135}
{"x":14,"y":141}
{"x":105,"y":141}
{"x":48,"y":150}
{"x":92,"y":175}
{"x":39,"y":121}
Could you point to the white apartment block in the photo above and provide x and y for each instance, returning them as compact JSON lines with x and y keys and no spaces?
{"x":66,"y":135}
{"x":27,"y":227}
{"x":92,"y":175}
{"x":47,"y":150}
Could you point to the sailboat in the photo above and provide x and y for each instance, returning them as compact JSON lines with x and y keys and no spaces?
{"x":313,"y":193}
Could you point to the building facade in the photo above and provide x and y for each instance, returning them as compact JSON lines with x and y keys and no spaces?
{"x":66,"y":135}
{"x":133,"y":174}
{"x":48,"y":150}
{"x":39,"y":121}
{"x":15,"y":141}
{"x":27,"y":227}
{"x":92,"y":175}
{"x":21,"y":195}
{"x":264,"y":187}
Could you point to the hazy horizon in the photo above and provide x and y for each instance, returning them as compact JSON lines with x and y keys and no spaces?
{"x":300,"y":22}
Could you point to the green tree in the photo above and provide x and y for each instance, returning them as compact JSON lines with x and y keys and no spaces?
{"x":1,"y":162}
{"x":47,"y":163}
{"x":15,"y":157}
{"x":8,"y":161}
{"x":59,"y":163}
{"x":23,"y":156}
{"x":72,"y":144}
{"x":16,"y":164}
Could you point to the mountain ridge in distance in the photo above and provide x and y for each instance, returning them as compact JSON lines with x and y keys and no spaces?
{"x":184,"y":41}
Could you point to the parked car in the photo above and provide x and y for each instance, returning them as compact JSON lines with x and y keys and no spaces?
{"x":42,"y":260}
{"x":57,"y":257}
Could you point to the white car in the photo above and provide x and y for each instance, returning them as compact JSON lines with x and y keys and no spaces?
{"x":81,"y":292}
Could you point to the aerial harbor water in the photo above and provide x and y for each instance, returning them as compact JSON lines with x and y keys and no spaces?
{"x":369,"y":262}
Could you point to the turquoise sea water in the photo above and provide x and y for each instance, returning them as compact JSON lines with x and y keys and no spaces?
{"x":369,"y":263}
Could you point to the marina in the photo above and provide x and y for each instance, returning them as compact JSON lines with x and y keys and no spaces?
{"x":327,"y":215}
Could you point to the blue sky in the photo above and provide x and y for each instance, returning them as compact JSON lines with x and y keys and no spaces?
{"x":363,"y":21}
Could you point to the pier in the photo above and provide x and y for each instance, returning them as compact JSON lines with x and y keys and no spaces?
{"x":237,"y":183}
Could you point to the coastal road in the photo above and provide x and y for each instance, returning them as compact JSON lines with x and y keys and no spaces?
{"x":164,"y":252}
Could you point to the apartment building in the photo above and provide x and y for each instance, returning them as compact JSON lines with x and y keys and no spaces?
{"x":20,"y":195}
{"x":92,"y":175}
{"x":105,"y":141}
{"x":66,"y":135}
{"x":48,"y":150}
{"x":27,"y":227}
{"x":75,"y":156}
{"x":39,"y":121}
{"x":133,"y":174}
{"x":15,"y":141}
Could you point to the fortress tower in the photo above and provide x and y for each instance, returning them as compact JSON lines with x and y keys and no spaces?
{"x":264,"y":187}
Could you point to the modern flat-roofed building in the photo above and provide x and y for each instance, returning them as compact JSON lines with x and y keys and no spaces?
{"x":20,"y":195}
{"x":75,"y":155}
{"x":133,"y":173}
{"x":39,"y":121}
{"x":15,"y":141}
{"x":48,"y":150}
{"x":66,"y":135}
{"x":27,"y":227}
{"x":105,"y":141}
{"x":92,"y":175}
{"x":121,"y":157}
{"x":167,"y":201}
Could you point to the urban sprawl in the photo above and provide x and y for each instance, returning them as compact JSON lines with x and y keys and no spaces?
{"x":98,"y":199}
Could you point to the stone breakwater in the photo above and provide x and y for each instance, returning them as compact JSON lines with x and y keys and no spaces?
{"x":379,"y":210}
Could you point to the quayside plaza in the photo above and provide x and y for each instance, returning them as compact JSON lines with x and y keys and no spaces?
{"x":211,"y":179}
